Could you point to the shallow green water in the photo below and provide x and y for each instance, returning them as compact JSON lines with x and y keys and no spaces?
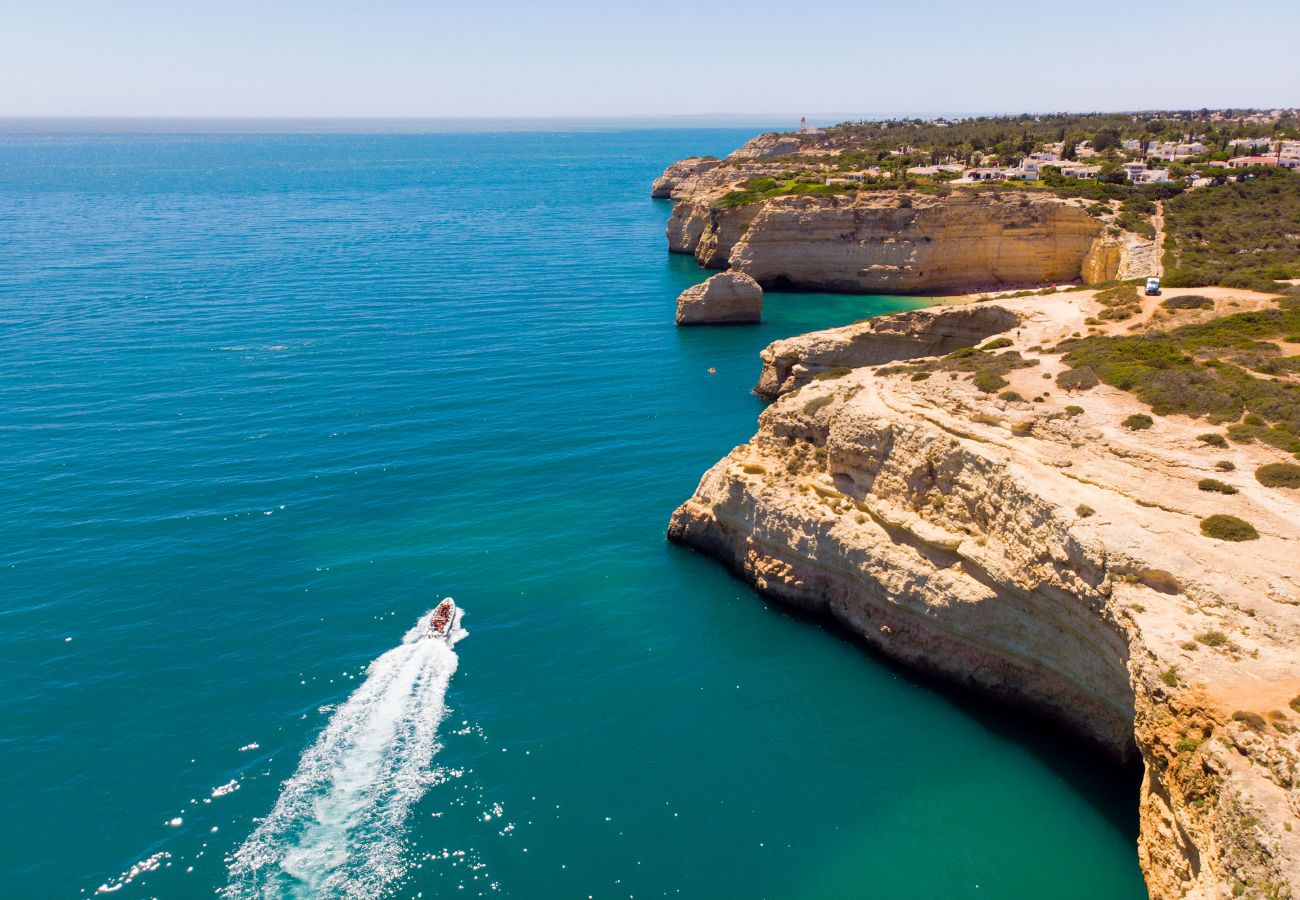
{"x":268,"y":397}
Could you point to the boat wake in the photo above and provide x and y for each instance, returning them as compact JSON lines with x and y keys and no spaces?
{"x":336,"y":829}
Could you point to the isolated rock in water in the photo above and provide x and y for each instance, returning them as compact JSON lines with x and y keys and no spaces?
{"x":727,"y":298}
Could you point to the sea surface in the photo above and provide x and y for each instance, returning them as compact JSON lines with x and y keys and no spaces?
{"x":265,"y":398}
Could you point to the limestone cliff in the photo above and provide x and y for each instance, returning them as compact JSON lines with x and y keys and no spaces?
{"x":1049,"y":557}
{"x":1119,"y":255}
{"x":792,"y":363}
{"x":682,"y":171}
{"x":889,"y":241}
{"x":728,"y":298}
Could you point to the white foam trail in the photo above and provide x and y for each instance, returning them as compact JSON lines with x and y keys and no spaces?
{"x":336,"y":829}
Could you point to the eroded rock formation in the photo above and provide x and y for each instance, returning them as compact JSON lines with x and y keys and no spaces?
{"x":728,"y":298}
{"x":791,"y":363}
{"x":1051,"y":558}
{"x":681,"y":171}
{"x":890,"y":242}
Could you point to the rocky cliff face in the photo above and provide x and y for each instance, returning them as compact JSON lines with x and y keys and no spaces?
{"x":890,"y":242}
{"x":792,"y":363}
{"x":1026,"y":551}
{"x":1119,"y":255}
{"x":682,"y":171}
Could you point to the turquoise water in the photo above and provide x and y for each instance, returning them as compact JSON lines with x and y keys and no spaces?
{"x":266,"y":398}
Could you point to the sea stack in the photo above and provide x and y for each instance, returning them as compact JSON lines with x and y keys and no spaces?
{"x":729,"y":298}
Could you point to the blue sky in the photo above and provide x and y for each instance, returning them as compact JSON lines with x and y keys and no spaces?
{"x":578,"y":57}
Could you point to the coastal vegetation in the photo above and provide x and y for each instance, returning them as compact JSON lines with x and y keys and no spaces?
{"x":1240,"y":234}
{"x":1208,"y":369}
{"x":1284,"y":475}
{"x":1225,"y":528}
{"x":764,"y":188}
{"x":1213,"y":485}
{"x":985,"y":369}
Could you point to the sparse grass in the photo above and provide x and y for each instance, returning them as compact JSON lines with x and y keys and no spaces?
{"x":1295,"y":704}
{"x":985,"y":368}
{"x":1253,"y":721}
{"x":1138,"y":422}
{"x":1213,"y":638}
{"x":1225,"y":465}
{"x":1213,"y":485}
{"x":1228,"y":528}
{"x":1283,"y":475}
{"x":762,"y":188}
{"x":1187,"y":745}
{"x":837,"y":372}
{"x":1204,"y":370}
{"x":1170,"y":677}
{"x":1084,"y":511}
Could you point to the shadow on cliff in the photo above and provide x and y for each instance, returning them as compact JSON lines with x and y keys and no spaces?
{"x":1076,"y":759}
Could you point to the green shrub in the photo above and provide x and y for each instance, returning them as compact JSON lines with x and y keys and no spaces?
{"x":1253,"y":721}
{"x":1295,"y":704}
{"x":1213,"y":638}
{"x":1169,"y":677}
{"x":1011,"y":397}
{"x":997,"y":344}
{"x":988,"y":382}
{"x":1188,"y":301}
{"x":1215,"y":486}
{"x":1214,"y":440}
{"x":1073,"y":411}
{"x":1284,"y":475}
{"x":837,"y":372}
{"x":1187,"y":744}
{"x":1080,"y":379}
{"x":1084,"y":511}
{"x":1228,"y":528}
{"x":1225,"y":465}
{"x":1138,"y":422}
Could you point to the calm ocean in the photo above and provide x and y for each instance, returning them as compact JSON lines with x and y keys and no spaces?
{"x":265,"y":398}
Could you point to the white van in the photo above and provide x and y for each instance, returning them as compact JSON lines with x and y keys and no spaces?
{"x":1153,"y":286}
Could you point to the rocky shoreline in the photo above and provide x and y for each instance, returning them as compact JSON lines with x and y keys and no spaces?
{"x":1035,"y":549}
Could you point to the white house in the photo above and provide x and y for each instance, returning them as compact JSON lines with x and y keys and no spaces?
{"x":1152,"y":176}
{"x":1245,"y":162}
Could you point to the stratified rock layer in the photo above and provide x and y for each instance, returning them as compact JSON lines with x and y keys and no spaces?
{"x":1051,"y":558}
{"x":681,"y":171}
{"x":792,"y":363}
{"x":890,"y":242}
{"x":728,"y":298}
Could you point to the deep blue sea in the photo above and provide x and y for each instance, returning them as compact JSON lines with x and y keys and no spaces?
{"x":265,"y":398}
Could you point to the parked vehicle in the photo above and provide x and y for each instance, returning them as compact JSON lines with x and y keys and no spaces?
{"x":1153,"y":287}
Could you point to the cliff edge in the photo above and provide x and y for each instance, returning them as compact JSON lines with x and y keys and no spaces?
{"x":1049,"y":552}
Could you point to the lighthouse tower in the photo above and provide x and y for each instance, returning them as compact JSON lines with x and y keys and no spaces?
{"x":803,"y":124}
